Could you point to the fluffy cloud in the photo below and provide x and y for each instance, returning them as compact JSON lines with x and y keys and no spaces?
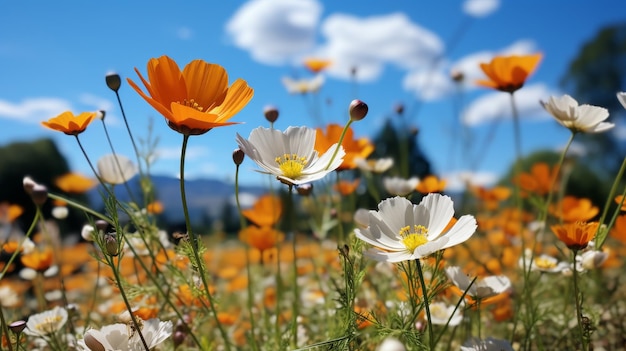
{"x":33,"y":110}
{"x":275,"y":31}
{"x":480,"y":8}
{"x":497,"y":105}
{"x":428,"y":85}
{"x":368,"y":44}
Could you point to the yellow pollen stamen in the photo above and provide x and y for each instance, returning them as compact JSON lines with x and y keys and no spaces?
{"x":49,"y":324}
{"x":413,"y":237}
{"x":291,"y":165}
{"x":544,"y":263}
{"x":191,"y":103}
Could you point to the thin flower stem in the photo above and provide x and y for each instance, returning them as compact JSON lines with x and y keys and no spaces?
{"x":577,"y":298}
{"x":130,"y":134}
{"x":601,"y":234}
{"x":420,"y":273}
{"x":117,"y":161}
{"x":5,"y":329}
{"x":296,"y":297}
{"x":194,"y":243}
{"x":343,"y":134}
{"x":242,"y":224}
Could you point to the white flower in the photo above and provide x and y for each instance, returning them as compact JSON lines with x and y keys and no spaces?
{"x":440,"y":313}
{"x":542,"y":263}
{"x":391,"y":344}
{"x":116,"y":169}
{"x":46,"y":323}
{"x":578,"y":118}
{"x":124,"y":337}
{"x":489,"y":344}
{"x":399,"y":186}
{"x":8,"y":297}
{"x":290,"y":155}
{"x":60,"y":212}
{"x":401,"y":231}
{"x":621,"y":96}
{"x":593,"y":259}
{"x":481,"y":288}
{"x":303,"y":86}
{"x":375,"y":166}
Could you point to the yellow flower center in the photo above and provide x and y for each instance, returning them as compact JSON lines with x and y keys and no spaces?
{"x":413,"y":237}
{"x":291,"y":165}
{"x":191,"y":103}
{"x":48,"y":325}
{"x":544,"y":263}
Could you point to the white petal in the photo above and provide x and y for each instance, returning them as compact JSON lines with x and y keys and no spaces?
{"x":621,"y":96}
{"x":441,"y":211}
{"x":462,"y":230}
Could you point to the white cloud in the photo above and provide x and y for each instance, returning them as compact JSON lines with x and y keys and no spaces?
{"x":34,"y":110}
{"x":458,"y":180}
{"x":480,"y":8}
{"x":497,"y":105}
{"x":275,"y":31}
{"x":428,"y":85}
{"x":368,"y":44}
{"x":173,"y":153}
{"x":184,"y":33}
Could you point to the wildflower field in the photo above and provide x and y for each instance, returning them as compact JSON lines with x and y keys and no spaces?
{"x":344,"y":251}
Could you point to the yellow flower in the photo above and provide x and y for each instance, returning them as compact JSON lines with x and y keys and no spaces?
{"x":195,"y":100}
{"x":508,"y":73}
{"x":69,"y":124}
{"x":575,"y":235}
{"x":431,"y":184}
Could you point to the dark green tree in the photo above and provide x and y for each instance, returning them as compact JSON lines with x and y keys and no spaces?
{"x":593,"y":77}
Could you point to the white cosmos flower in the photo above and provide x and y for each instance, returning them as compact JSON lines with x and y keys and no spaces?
{"x":400,"y":186}
{"x":621,"y":96}
{"x":481,"y":288}
{"x":401,"y":231}
{"x":578,"y":118}
{"x":123,"y":337}
{"x":380,"y":165}
{"x":46,"y":323}
{"x":303,"y":86}
{"x":290,"y":155}
{"x":441,"y":312}
{"x":116,"y":169}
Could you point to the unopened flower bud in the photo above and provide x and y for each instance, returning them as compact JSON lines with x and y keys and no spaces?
{"x":92,"y":343}
{"x":358,"y":110}
{"x":88,"y":232}
{"x":101,"y":114}
{"x":28,"y":183}
{"x":305,"y":189}
{"x":39,"y":194}
{"x":457,"y":76}
{"x":271,"y":113}
{"x":179,"y":338}
{"x":17,"y":326}
{"x":110,"y":244}
{"x":238,"y":156}
{"x":101,"y":225}
{"x":399,"y":108}
{"x":113,"y":81}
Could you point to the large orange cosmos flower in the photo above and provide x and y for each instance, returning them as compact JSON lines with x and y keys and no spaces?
{"x":355,"y":149}
{"x":266,"y":211}
{"x":572,"y":209}
{"x":69,"y":124}
{"x":195,"y":100}
{"x":508,"y":73}
{"x":576,"y":236}
{"x":540,"y":180}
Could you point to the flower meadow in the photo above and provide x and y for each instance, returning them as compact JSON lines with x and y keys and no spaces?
{"x":344,"y":251}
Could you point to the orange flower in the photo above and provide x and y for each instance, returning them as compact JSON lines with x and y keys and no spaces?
{"x":539,"y":180}
{"x":508,"y":73}
{"x":491,"y":197}
{"x":355,"y":149}
{"x":572,"y":209}
{"x":316,"y":65}
{"x":9,"y":212}
{"x":69,"y":124}
{"x":38,"y":260}
{"x":575,"y":235}
{"x":431,"y":184}
{"x":345,"y":187}
{"x":618,"y":200}
{"x":74,"y":183}
{"x":155,"y":207}
{"x":195,"y":100}
{"x":619,"y":229}
{"x":261,"y":238}
{"x":265,"y":212}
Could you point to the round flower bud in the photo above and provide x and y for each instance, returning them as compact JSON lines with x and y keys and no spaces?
{"x":358,"y":110}
{"x":93,"y":343}
{"x":88,"y":232}
{"x":271,"y":113}
{"x":305,"y":189}
{"x":110,"y":244}
{"x":399,"y":108}
{"x":238,"y":156}
{"x":39,"y":194}
{"x":101,"y":225}
{"x":28,"y":183}
{"x":60,"y":212}
{"x":114,"y":82}
{"x":17,"y":326}
{"x":101,"y":114}
{"x":457,"y":76}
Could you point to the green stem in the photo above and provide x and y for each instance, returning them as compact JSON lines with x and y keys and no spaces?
{"x":296,"y":297}
{"x":578,"y":298}
{"x":5,"y":329}
{"x":130,"y":134}
{"x":194,"y":243}
{"x":420,"y":273}
{"x":601,"y":234}
{"x":343,"y":134}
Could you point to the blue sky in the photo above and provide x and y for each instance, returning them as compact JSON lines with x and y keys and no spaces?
{"x":55,"y":55}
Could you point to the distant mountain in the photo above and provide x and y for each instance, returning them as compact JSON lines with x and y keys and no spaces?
{"x":206,"y":198}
